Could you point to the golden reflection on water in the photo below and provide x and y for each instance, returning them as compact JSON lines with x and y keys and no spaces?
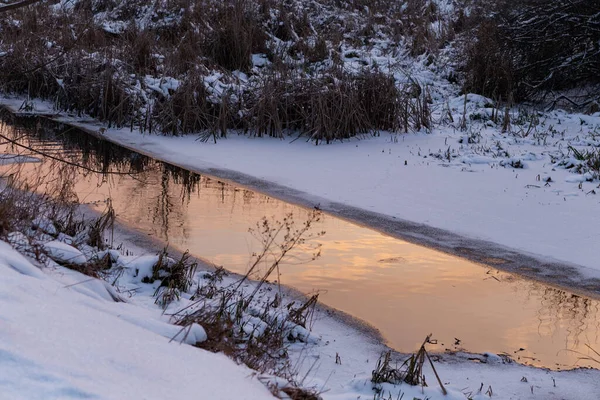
{"x":406,"y":291}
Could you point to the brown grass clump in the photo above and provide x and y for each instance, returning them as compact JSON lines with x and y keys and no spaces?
{"x":238,"y":35}
{"x":334,"y":105}
{"x":102,"y":67}
{"x":532,"y":49}
{"x":411,"y":370}
{"x":176,"y":277}
{"x":241,"y":322}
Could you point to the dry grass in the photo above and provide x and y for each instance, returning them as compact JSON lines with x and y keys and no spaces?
{"x":489,"y":68}
{"x":97,"y":228}
{"x":244,"y":321}
{"x":534,"y":50}
{"x":187,"y":110}
{"x":590,"y":161}
{"x":83,"y":67}
{"x":333,"y":105}
{"x":176,"y":277}
{"x":410,"y":371}
{"x":237,"y":36}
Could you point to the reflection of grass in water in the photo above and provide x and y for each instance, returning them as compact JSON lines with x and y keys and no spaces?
{"x":573,"y":312}
{"x":75,"y":146}
{"x":594,"y":357}
{"x":189,"y":181}
{"x":90,"y":153}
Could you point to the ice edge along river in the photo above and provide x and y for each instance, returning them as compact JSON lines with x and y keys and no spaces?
{"x":497,"y":216}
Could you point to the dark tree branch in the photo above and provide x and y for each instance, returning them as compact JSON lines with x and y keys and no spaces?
{"x":17,"y":5}
{"x":52,"y":157}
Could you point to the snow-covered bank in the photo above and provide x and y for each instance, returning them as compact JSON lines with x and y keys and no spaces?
{"x":359,"y":347}
{"x":465,"y":375}
{"x":486,"y":193}
{"x":63,"y":336}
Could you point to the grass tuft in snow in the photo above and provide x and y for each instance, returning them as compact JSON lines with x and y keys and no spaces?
{"x":48,"y":225}
{"x":245,"y":319}
{"x":176,"y":277}
{"x":98,"y":227}
{"x":410,"y":371}
{"x":590,"y":161}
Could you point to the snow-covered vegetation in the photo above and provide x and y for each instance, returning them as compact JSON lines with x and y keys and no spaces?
{"x":453,"y":108}
{"x":325,"y":69}
{"x":535,"y":50}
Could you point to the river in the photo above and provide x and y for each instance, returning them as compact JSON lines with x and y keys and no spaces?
{"x":405,"y":290}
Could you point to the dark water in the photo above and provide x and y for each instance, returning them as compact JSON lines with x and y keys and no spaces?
{"x":404,"y":290}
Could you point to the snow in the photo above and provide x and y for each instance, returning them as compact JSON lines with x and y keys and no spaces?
{"x":15,"y":261}
{"x":114,"y":27}
{"x":64,"y":253}
{"x":141,"y":267}
{"x":161,"y":85}
{"x":259,"y":60}
{"x":45,"y":225}
{"x":56,"y":342}
{"x":8,"y":159}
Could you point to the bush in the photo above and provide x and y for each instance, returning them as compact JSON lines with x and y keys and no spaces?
{"x":237,"y":35}
{"x":532,"y":48}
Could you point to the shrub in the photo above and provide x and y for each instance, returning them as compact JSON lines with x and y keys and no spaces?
{"x":532,"y":48}
{"x":237,"y":35}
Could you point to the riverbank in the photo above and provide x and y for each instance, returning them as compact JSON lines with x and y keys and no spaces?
{"x":341,"y":362}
